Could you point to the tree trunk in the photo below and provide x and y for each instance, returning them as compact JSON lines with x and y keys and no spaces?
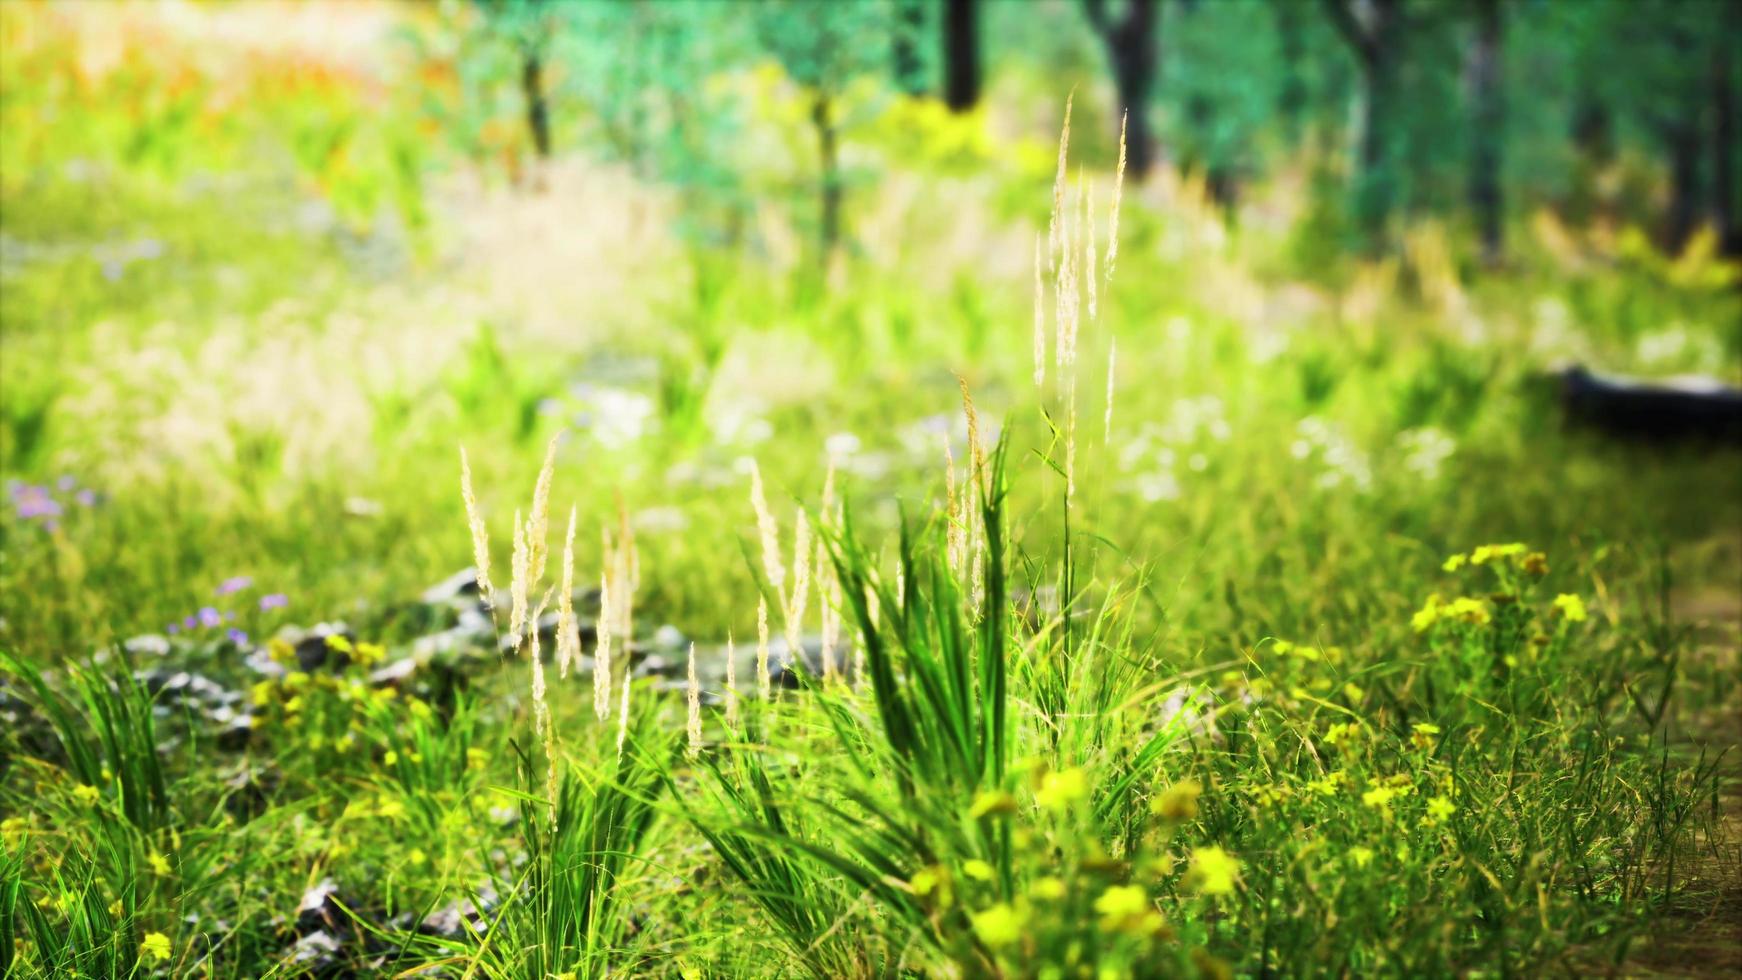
{"x":906,"y":65}
{"x":1291,"y":100}
{"x":1131,"y":49}
{"x":961,"y":54}
{"x":1487,"y":118}
{"x":1725,"y":81}
{"x":1375,"y":43}
{"x":1218,"y":174}
{"x":1683,"y":138}
{"x":537,"y":110}
{"x":822,"y":117}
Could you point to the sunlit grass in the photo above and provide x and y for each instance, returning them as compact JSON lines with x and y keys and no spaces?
{"x":1297,"y":638}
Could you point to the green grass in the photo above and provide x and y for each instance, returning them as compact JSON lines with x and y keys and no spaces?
{"x":1183,"y":724}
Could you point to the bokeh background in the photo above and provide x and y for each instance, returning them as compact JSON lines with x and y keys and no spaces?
{"x":267,"y":264}
{"x":265,"y":267}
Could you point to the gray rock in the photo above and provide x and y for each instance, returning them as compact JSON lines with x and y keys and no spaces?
{"x":395,"y":673}
{"x":260,"y":662}
{"x":319,"y":910}
{"x":235,"y":736}
{"x":317,"y":952}
{"x":151,"y":644}
{"x":462,"y":586}
{"x":669,"y":638}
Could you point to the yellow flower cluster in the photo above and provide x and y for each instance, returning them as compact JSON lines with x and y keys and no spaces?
{"x":1462,"y":609}
{"x":1059,"y":790}
{"x":1571,"y":607}
{"x":156,"y":947}
{"x":1178,"y":802}
{"x":1494,"y":552}
{"x":1127,"y":908}
{"x":1214,"y":871}
{"x":1532,"y":562}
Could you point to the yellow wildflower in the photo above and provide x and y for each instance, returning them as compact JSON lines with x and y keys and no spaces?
{"x":1422,"y":734}
{"x":1473,"y":611}
{"x":476,"y":758}
{"x":999,"y":925}
{"x":390,"y":759}
{"x":1060,"y":789}
{"x":1178,"y":802}
{"x":927,"y":880}
{"x":159,"y":863}
{"x":86,"y":793}
{"x":1492,"y":552}
{"x":977,"y":869}
{"x":1438,"y":809}
{"x":1213,"y":870}
{"x":1427,"y":615}
{"x":1455,"y":562}
{"x":1271,"y":794}
{"x":1049,"y":888}
{"x":337,"y":642}
{"x":1360,"y":856}
{"x":1126,"y":908}
{"x":367,"y":654}
{"x":1379,"y":798}
{"x":280,"y":651}
{"x":12,"y":830}
{"x":155,"y":946}
{"x":1341,"y":732}
{"x":1571,"y":607}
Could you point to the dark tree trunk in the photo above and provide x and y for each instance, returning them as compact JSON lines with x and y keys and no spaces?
{"x":909,"y":70}
{"x":822,"y":117}
{"x":1725,"y":81}
{"x":537,"y":110}
{"x":1375,"y":40}
{"x":1130,"y":40}
{"x":1487,"y":119}
{"x":1593,"y":129}
{"x":1219,"y":178}
{"x":961,"y":54}
{"x":1683,"y":139}
{"x":1593,"y":135}
{"x":1291,"y":100}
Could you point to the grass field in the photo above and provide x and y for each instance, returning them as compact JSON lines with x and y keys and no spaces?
{"x":1230,"y":605}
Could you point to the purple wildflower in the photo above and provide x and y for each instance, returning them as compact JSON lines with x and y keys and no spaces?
{"x":34,"y":502}
{"x":276,"y":600}
{"x":190,"y":623}
{"x":172,"y":629}
{"x":237,"y":636}
{"x":210,"y":616}
{"x":66,"y":483}
{"x":234,"y":584}
{"x":86,"y":497}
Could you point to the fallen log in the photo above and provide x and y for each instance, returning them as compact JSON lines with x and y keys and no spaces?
{"x":1670,"y":410}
